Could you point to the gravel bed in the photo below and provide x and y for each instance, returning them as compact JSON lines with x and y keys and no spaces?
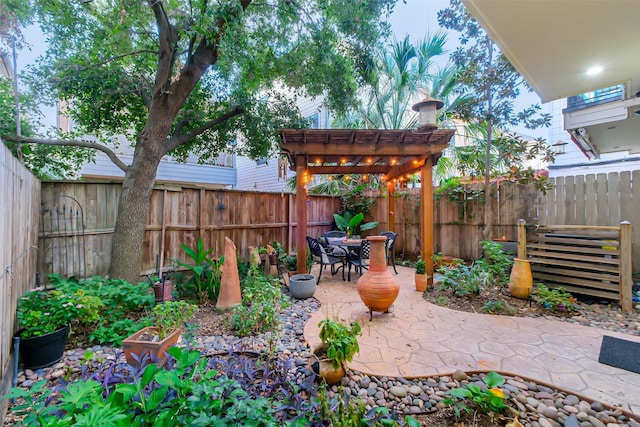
{"x":537,"y":405}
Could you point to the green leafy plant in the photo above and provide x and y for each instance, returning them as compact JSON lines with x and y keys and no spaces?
{"x":207,"y":273}
{"x":262,"y":300}
{"x":124,"y":306}
{"x":487,"y":399}
{"x":463,"y":280}
{"x":186,"y":394}
{"x":554,"y":299}
{"x":351,"y":224}
{"x":500,"y":306}
{"x":495,"y":262}
{"x":172,"y":315}
{"x":341,"y":340}
{"x":443,"y":300}
{"x":42,"y":311}
{"x":420,"y":266}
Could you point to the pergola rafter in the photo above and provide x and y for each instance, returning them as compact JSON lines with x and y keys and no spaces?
{"x":391,"y":153}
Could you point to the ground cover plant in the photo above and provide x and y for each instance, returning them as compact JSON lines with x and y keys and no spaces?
{"x":125,"y":308}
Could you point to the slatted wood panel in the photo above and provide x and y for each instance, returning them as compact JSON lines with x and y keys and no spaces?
{"x":20,"y":201}
{"x":588,"y":260}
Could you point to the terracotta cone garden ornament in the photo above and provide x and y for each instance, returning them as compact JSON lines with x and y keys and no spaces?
{"x":230,"y":295}
{"x":377,"y":287}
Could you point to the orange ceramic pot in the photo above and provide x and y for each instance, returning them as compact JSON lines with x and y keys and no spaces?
{"x":521,"y":279}
{"x":377,"y":287}
{"x":421,"y":282}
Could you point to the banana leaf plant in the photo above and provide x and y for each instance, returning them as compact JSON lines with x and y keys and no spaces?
{"x":351,"y":224}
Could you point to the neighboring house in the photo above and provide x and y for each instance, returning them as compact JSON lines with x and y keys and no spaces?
{"x":220,"y":173}
{"x":584,"y":54}
{"x":264,"y":174}
{"x":580,"y":157}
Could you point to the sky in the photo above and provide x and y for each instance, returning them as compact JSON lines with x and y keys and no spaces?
{"x":413,"y":17}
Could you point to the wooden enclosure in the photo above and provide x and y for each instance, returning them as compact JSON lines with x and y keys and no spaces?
{"x":20,"y":199}
{"x":590,"y":260}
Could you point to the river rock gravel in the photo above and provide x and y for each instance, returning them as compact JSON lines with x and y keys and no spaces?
{"x":536,"y":405}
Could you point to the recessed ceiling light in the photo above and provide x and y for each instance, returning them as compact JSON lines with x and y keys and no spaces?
{"x":595,"y":70}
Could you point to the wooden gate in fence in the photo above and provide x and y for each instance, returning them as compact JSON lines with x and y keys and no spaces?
{"x":589,"y":260}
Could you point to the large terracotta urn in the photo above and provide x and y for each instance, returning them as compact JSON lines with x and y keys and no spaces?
{"x":521,"y":279}
{"x":377,"y":287}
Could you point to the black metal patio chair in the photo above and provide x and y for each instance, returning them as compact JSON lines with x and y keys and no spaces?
{"x":323,"y":258}
{"x":390,"y":245}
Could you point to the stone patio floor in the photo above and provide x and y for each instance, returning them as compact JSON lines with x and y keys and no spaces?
{"x":421,"y":339}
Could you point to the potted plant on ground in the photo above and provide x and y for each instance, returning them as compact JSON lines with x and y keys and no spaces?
{"x":45,"y":318}
{"x":421,"y":276}
{"x":153,"y":342}
{"x":339,"y":345}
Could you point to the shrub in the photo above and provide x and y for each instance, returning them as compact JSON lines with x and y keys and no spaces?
{"x":463,"y":280}
{"x":495,"y":263}
{"x":554,"y":299}
{"x":420,"y":266}
{"x":493,"y":306}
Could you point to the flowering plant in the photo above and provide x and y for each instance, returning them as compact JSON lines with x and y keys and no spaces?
{"x":41,"y":311}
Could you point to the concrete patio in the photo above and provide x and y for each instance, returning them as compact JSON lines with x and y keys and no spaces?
{"x":421,"y":339}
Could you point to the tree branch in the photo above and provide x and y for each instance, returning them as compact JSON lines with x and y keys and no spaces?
{"x":71,"y":143}
{"x":167,"y":40}
{"x":183,"y":139}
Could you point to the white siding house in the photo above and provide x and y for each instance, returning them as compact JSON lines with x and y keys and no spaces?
{"x":262,"y":175}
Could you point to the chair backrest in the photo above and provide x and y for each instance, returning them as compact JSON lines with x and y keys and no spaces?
{"x":317,"y":249}
{"x":365,"y":249}
{"x":335,"y":233}
{"x":391,"y":239}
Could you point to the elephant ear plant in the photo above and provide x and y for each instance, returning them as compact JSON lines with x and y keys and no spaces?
{"x":351,"y":223}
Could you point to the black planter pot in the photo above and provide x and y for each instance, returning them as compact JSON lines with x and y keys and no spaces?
{"x":46,"y":350}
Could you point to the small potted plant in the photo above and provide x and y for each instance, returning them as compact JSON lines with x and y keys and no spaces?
{"x":45,"y":318}
{"x":421,"y":276}
{"x":153,"y":342}
{"x":339,"y":345}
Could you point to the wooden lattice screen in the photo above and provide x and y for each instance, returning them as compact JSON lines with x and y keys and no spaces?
{"x":589,"y":260}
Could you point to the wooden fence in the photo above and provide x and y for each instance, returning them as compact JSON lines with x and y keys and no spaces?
{"x":178,"y":214}
{"x":20,"y":201}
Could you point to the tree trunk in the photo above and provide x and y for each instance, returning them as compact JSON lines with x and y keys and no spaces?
{"x":133,"y":205}
{"x":488,"y":215}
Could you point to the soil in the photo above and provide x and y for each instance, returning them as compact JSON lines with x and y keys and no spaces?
{"x":494,"y":299}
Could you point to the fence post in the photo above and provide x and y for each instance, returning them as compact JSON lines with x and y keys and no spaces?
{"x":522,"y":239}
{"x":626,"y":281}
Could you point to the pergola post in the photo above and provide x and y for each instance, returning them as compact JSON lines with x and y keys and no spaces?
{"x":301,"y":216}
{"x":391,"y":205}
{"x":426,"y":204}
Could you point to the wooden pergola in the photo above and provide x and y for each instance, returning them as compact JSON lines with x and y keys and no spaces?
{"x":391,"y":153}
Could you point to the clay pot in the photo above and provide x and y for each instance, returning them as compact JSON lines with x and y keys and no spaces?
{"x":421,"y":282}
{"x":521,"y":279}
{"x":163,"y":290}
{"x":137,"y":349}
{"x":377,"y":287}
{"x":323,"y":366}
